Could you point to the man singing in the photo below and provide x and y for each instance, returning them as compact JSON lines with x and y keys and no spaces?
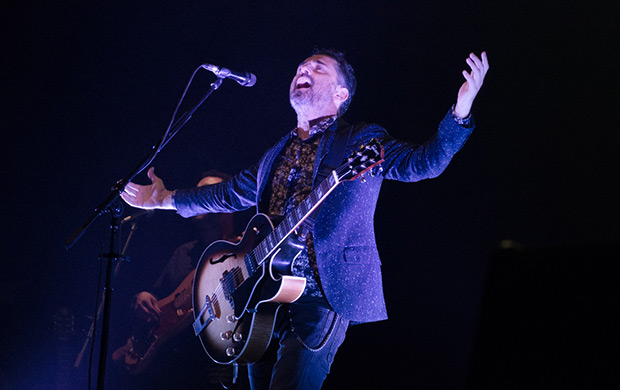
{"x":340,"y":261}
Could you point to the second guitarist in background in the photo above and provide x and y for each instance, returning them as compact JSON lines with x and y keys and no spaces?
{"x":181,"y":362}
{"x":341,"y":262}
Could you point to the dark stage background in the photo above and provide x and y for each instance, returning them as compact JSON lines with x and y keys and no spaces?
{"x":89,"y":87}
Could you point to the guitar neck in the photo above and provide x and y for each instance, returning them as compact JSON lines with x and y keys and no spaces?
{"x":367,"y":157}
{"x":294,"y":219}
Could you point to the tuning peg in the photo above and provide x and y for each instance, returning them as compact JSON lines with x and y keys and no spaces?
{"x":375,"y":171}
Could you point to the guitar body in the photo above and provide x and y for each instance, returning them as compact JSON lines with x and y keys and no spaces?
{"x":236,"y":297}
{"x":149,"y":337}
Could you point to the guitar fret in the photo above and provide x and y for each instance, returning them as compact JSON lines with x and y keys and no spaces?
{"x":292,"y":221}
{"x":331,"y":181}
{"x":287,"y":225}
{"x":258,"y":254}
{"x":280,"y":231}
{"x":250,"y":263}
{"x":314,"y":198}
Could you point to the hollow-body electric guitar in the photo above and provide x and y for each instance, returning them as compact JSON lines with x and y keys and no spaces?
{"x":238,"y":288}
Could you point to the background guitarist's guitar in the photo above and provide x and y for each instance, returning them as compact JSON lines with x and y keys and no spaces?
{"x":148,"y":337}
{"x":238,"y":288}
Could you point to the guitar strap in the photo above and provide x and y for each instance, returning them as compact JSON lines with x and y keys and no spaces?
{"x":333,"y":160}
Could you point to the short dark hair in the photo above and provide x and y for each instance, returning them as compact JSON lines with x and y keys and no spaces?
{"x":345,"y":73}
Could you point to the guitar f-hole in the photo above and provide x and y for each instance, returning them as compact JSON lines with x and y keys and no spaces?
{"x":223,"y":258}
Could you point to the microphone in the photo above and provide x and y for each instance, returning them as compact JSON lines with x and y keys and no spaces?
{"x":137,"y":215}
{"x":245,"y":79}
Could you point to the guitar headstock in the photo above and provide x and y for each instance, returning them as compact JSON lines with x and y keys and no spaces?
{"x":367,"y":157}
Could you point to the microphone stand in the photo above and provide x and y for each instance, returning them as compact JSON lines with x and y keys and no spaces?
{"x":91,"y":331}
{"x":107,"y":206}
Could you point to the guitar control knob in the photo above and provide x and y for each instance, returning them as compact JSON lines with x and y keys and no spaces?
{"x":226,"y":335}
{"x":230,"y":318}
{"x":230,"y":351}
{"x":237,"y":337}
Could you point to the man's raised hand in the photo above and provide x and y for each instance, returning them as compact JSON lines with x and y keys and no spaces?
{"x":473,"y":83}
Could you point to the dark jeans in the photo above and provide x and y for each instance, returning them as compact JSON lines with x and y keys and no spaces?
{"x":302,"y":349}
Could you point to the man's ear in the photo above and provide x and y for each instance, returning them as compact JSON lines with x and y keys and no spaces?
{"x":341,"y":95}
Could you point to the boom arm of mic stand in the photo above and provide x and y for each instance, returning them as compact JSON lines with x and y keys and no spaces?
{"x":120,"y":185}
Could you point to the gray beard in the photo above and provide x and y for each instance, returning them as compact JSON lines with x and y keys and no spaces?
{"x":309,"y":100}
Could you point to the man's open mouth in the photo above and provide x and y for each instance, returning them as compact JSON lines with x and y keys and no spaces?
{"x":302,"y":83}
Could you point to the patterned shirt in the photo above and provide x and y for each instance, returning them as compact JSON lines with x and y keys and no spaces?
{"x":291,"y":184}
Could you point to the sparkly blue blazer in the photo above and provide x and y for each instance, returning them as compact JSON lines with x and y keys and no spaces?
{"x":344,"y":238}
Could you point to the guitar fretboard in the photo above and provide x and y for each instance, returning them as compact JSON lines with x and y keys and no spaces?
{"x":292,"y":221}
{"x":367,"y":157}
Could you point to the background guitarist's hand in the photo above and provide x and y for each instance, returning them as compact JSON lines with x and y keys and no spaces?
{"x":146,"y":306}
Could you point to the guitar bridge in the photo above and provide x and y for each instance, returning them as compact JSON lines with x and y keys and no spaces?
{"x":198,"y":325}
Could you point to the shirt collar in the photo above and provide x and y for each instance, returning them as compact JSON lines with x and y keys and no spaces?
{"x":319,"y":127}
